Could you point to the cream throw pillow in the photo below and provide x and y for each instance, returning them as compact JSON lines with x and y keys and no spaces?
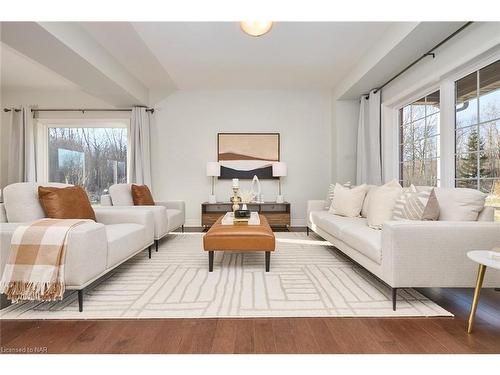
{"x":348,"y":202}
{"x":382,"y":202}
{"x":329,"y":195}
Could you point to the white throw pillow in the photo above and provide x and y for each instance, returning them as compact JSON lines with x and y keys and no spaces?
{"x":121,"y":195}
{"x":459,"y":204}
{"x":364,"y":210}
{"x":382,"y":202}
{"x":348,"y":202}
{"x":329,"y":195}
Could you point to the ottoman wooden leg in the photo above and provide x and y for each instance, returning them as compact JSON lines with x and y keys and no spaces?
{"x":268,"y":260}
{"x":210,"y":261}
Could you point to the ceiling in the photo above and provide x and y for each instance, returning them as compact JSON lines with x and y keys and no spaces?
{"x":218,"y":55}
{"x":128,"y":63}
{"x":19,"y":71}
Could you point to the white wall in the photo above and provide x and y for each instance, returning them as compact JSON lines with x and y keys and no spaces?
{"x":184,"y":138}
{"x":345,"y":114}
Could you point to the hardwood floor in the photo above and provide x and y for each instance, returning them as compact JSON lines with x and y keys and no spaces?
{"x":277,"y":335}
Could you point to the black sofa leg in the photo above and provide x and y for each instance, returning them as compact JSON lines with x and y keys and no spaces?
{"x":307,"y":230}
{"x":80,"y":300}
{"x":156,"y":245}
{"x":268,"y":261}
{"x":182,"y":228}
{"x":394,"y":298}
{"x":210,"y":261}
{"x":149,"y":250}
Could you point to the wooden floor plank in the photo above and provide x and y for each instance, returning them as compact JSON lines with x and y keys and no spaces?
{"x":276,"y":335}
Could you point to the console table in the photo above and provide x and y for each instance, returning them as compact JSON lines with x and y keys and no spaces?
{"x":277,"y":214}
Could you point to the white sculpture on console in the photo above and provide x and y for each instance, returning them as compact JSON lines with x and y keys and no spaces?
{"x":256,"y":189}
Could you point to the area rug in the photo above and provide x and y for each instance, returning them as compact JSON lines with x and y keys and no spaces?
{"x":308,"y":278}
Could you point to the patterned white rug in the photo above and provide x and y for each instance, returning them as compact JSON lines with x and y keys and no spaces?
{"x":308,"y":278}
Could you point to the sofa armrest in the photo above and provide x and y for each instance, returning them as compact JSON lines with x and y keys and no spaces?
{"x":434,"y":253}
{"x":176,"y":205}
{"x":315,"y":205}
{"x":106,"y":200}
{"x":113,"y":215}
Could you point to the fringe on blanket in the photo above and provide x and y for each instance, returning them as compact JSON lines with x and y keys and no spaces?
{"x":33,"y":291}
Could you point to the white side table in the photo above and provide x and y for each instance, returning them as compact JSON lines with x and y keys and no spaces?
{"x":485,"y":259}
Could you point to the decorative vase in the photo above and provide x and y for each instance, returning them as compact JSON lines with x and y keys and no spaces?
{"x":256,"y":188}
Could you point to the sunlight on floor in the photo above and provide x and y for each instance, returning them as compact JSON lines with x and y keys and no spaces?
{"x":304,"y":242}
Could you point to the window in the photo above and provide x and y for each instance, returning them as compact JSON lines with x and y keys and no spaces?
{"x":419,"y":142}
{"x":477,"y":129}
{"x":93,"y":156}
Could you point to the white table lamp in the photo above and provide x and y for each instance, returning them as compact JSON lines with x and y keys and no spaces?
{"x":279,"y":170}
{"x":213,"y":170}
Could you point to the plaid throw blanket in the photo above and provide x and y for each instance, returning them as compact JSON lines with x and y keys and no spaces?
{"x":35,"y":268}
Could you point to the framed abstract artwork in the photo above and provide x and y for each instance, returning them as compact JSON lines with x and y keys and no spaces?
{"x":244,"y":155}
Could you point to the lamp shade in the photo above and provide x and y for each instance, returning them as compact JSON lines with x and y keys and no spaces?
{"x":213,"y":169}
{"x":279,"y":169}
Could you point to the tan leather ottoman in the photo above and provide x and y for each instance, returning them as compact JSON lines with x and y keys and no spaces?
{"x":239,"y":237}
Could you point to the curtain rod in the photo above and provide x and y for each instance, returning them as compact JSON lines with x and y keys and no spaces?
{"x":428,"y":53}
{"x":79,"y":110}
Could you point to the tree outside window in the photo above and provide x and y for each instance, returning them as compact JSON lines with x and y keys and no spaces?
{"x":94,"y":158}
{"x":419,"y":142}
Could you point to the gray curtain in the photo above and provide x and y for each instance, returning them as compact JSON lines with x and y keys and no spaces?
{"x":22,"y":147}
{"x":368,"y":162}
{"x":140,"y":152}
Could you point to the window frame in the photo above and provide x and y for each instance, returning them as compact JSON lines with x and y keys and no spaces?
{"x":444,"y":81}
{"x":400,"y":145}
{"x":42,"y":131}
{"x":477,"y":125}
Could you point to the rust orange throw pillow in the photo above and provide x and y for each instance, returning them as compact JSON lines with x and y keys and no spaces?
{"x":141,"y":195}
{"x":65,"y":203}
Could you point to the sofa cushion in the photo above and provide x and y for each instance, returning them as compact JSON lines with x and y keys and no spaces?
{"x":175,"y":218}
{"x":316,"y":216}
{"x":69,"y":202}
{"x":121,"y":195}
{"x":382,"y":202}
{"x":123,"y":241}
{"x":459,"y":204}
{"x":363,"y":239}
{"x":21,"y":201}
{"x":334,"y":224}
{"x":348,"y":202}
{"x":141,"y":195}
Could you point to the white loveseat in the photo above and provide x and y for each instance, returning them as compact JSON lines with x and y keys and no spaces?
{"x":412,"y":253}
{"x":93,"y":249}
{"x":168,"y":215}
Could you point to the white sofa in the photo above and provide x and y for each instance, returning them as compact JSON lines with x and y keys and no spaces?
{"x":168,"y":216}
{"x":412,"y":253}
{"x":93,"y":249}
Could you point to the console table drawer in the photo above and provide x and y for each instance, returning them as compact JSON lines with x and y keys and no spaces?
{"x":208,"y":219}
{"x":278,"y":207}
{"x":218,"y":207}
{"x":281,"y":219}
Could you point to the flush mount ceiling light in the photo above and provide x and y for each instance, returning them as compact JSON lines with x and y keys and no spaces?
{"x":256,"y":28}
